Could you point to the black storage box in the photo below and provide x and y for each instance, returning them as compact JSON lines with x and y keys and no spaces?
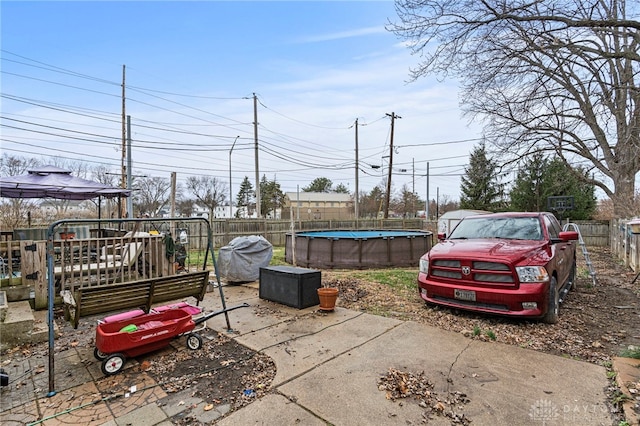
{"x":296,"y":287}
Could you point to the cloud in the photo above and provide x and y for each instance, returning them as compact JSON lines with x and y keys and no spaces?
{"x":358,"y":32}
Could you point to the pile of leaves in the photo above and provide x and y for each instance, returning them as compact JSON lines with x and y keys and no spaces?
{"x":401,"y":384}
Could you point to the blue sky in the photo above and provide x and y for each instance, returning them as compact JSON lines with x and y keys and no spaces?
{"x":191,"y":71}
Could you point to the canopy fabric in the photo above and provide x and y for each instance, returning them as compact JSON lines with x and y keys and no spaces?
{"x":53,"y":182}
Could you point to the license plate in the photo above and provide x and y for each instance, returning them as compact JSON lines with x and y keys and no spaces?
{"x":467,"y":295}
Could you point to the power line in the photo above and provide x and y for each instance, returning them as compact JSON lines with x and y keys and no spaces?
{"x":60,"y":84}
{"x":301,"y":122}
{"x":301,"y":154}
{"x":168,"y":129}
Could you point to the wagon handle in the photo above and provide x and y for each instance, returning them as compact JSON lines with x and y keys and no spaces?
{"x":221,"y":311}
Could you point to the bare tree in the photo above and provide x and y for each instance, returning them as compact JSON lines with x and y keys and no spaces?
{"x":12,"y":210}
{"x":407,"y":202}
{"x":101,"y":173}
{"x":542,"y":76}
{"x":444,"y":204}
{"x":13,"y":166}
{"x":77,"y":168}
{"x":185,"y":207}
{"x":209,"y":191}
{"x":150,"y":194}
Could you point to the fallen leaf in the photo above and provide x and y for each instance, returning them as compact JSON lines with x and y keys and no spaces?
{"x":208,"y":407}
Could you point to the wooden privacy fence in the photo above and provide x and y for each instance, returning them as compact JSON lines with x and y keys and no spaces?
{"x":595,"y":233}
{"x":275,"y":231}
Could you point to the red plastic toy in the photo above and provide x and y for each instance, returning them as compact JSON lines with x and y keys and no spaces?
{"x":130,"y":337}
{"x":134,"y":333}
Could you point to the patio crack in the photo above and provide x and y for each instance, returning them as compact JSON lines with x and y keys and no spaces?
{"x":448,"y":377}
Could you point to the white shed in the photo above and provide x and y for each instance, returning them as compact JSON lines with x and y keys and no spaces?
{"x":449,"y":220}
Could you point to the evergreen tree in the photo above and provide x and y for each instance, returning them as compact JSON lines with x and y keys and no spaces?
{"x":544,"y":178}
{"x":480,"y":187}
{"x":245,"y":199}
{"x":319,"y":185}
{"x":527,"y":194}
{"x":562,"y":180}
{"x":371,"y":204}
{"x":341,"y":189}
{"x":271,"y":196}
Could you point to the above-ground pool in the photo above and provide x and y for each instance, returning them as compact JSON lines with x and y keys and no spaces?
{"x":357,"y":249}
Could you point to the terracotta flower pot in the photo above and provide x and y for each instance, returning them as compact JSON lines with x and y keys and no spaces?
{"x":328,"y":297}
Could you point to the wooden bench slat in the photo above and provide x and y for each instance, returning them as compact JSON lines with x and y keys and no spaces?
{"x":135,"y":294}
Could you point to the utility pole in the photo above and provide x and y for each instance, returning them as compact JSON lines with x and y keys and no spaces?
{"x":123,"y":182}
{"x":413,"y":175}
{"x":426,"y":207}
{"x":129,"y":168}
{"x":172,"y":213}
{"x":230,"y":189}
{"x":356,"y":210}
{"x":386,"y":207}
{"x":255,"y":135}
{"x":413,"y":187}
{"x":173,"y":195}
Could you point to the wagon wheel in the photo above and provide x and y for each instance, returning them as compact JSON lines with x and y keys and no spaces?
{"x":99,"y":355}
{"x":112,"y":364}
{"x":194,"y":341}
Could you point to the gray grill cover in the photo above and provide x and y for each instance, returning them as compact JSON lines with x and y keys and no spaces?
{"x":242,"y":258}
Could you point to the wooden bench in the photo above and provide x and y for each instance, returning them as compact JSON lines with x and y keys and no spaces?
{"x":135,"y":294}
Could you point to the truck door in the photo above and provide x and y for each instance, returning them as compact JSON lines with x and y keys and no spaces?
{"x":563,"y":250}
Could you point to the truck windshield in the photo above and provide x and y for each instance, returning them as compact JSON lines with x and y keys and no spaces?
{"x":513,"y":228}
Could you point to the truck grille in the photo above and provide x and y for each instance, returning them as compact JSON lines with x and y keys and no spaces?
{"x":479,"y":271}
{"x":447,"y":274}
{"x":490,"y":266}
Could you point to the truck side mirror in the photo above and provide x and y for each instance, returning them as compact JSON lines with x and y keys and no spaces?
{"x":568,"y":235}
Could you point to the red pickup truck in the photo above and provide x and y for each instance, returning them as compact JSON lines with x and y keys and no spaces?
{"x":516,"y":264}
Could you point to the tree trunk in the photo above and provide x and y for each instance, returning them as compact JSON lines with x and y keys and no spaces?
{"x":624,"y":202}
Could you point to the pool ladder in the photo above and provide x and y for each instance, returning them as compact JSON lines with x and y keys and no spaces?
{"x":574,"y":227}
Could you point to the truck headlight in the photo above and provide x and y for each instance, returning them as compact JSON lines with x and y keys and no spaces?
{"x":424,"y":266}
{"x":532,"y":274}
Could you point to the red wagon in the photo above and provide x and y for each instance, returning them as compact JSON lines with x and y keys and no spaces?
{"x":131,"y":337}
{"x":134,"y":333}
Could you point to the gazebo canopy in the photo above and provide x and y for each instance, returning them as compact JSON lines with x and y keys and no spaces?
{"x":54,"y":182}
